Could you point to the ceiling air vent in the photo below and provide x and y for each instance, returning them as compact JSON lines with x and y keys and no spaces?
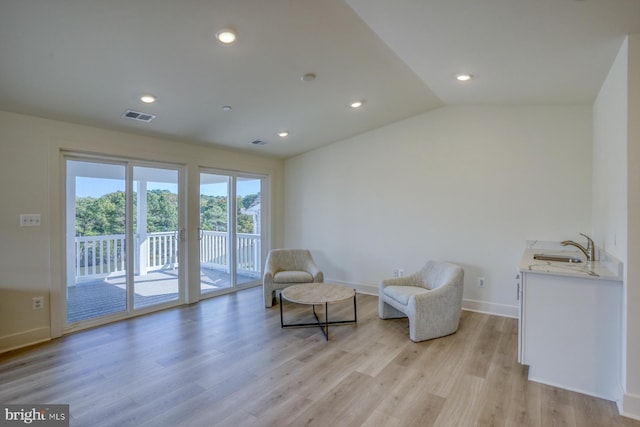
{"x":137,"y":115}
{"x":258,"y":142}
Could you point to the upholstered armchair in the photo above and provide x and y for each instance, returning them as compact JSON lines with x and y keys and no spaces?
{"x":430,"y":298}
{"x":286,"y":267}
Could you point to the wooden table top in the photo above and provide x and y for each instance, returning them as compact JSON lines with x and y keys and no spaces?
{"x":317,"y":293}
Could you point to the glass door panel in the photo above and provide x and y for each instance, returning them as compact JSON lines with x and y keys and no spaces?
{"x":215,"y":245}
{"x":248,"y":230}
{"x":122,"y":238}
{"x":96,"y":240}
{"x":231,"y":234}
{"x":156,"y":235}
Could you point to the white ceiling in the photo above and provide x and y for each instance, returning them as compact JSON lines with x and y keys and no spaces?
{"x":87,"y":61}
{"x":520,"y":51}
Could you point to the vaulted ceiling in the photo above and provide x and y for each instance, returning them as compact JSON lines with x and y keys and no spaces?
{"x":89,"y":61}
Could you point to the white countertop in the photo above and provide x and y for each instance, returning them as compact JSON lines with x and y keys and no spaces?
{"x":606,"y":268}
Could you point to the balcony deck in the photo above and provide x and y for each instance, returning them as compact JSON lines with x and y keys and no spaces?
{"x":103,"y":297}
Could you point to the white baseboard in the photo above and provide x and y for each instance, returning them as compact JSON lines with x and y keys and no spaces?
{"x":365,"y":289}
{"x":630,"y":406}
{"x":594,"y":393}
{"x":501,"y":310}
{"x":23,"y":339}
{"x":359,"y":287}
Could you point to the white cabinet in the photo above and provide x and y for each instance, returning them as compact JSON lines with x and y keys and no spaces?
{"x":570,"y":332}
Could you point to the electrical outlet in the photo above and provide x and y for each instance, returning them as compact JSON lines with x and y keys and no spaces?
{"x":37,"y":303}
{"x":398,"y":272}
{"x":480,"y":282}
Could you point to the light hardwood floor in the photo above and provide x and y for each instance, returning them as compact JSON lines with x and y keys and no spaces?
{"x":226,"y":362}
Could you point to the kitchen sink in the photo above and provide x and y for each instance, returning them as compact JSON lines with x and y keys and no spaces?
{"x":557,"y":258}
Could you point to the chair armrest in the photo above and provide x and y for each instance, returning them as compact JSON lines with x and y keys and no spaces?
{"x":267,"y":278}
{"x":441,"y":298}
{"x":318,"y":277}
{"x":313,"y":270}
{"x":411,"y":280}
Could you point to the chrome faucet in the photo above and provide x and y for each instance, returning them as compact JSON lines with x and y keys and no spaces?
{"x":589,"y":251}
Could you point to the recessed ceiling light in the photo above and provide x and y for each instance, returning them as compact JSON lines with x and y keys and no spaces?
{"x":226,"y":36}
{"x":148,"y":99}
{"x":464,"y":77}
{"x":283,"y":134}
{"x":356,"y":104}
{"x":226,"y":108}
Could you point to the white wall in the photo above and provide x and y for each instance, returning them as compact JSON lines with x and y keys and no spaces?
{"x":616,"y":198}
{"x":464,"y":184}
{"x":30,"y":169}
{"x":610,"y":173}
{"x":632,"y":395}
{"x":632,"y":392}
{"x":609,"y":160}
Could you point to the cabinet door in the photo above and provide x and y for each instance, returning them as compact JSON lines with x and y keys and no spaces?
{"x":571,"y":333}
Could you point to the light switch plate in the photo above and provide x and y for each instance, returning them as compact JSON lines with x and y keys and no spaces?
{"x":29,"y":220}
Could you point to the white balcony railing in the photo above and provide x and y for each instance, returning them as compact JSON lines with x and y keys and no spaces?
{"x":213,"y":252}
{"x":100,"y":256}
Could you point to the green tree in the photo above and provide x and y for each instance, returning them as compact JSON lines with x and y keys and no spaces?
{"x":84,"y":216}
{"x":106,"y":214}
{"x":101,"y":216}
{"x":250,"y":200}
{"x":162,"y":211}
{"x":245,"y":223}
{"x":109,"y":214}
{"x":213,"y":213}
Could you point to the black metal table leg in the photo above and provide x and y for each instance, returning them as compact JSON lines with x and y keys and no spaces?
{"x":324,"y":326}
{"x":355,"y":310}
{"x":326,"y":320}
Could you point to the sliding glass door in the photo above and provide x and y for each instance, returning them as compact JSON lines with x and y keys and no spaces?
{"x":123,"y":238}
{"x":248,"y":229}
{"x":231,"y":236}
{"x":215,"y":246}
{"x":96,"y":240}
{"x":156,"y":236}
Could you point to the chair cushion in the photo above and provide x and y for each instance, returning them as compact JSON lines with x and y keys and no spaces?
{"x":292,"y":277}
{"x":401,"y":294}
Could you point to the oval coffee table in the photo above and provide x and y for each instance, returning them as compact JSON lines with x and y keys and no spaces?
{"x":317,"y":294}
